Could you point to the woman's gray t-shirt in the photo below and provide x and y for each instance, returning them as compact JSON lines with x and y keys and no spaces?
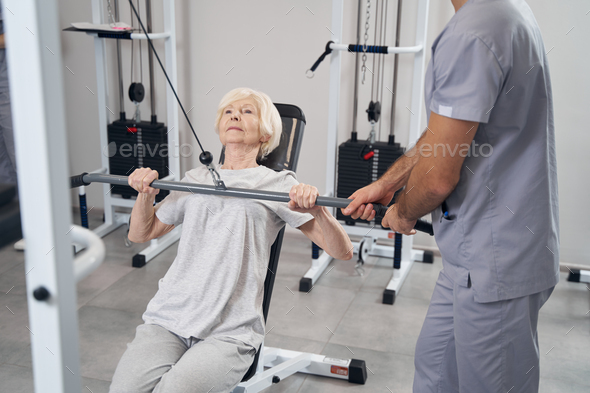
{"x":215,"y":285}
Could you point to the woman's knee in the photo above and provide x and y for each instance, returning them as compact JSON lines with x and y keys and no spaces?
{"x":148,"y":357}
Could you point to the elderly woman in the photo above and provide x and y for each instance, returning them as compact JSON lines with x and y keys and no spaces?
{"x":205,"y":323}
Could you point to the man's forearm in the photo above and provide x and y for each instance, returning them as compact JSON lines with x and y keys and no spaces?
{"x":142,"y":218}
{"x":418,"y":199}
{"x":398,"y":174}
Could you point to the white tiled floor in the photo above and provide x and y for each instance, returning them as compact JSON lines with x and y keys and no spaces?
{"x":112,"y":299}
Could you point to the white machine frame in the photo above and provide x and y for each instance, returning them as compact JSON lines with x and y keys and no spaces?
{"x":409,"y":255}
{"x":36,"y":85}
{"x":36,"y":79}
{"x":282,"y":363}
{"x":114,"y":219}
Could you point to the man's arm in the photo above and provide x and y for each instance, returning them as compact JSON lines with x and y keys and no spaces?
{"x":436,"y":173}
{"x":382,"y":190}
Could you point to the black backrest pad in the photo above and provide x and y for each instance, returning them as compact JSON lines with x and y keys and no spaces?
{"x":284,"y":157}
{"x":7,"y":193}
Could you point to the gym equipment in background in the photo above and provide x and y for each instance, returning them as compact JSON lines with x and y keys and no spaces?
{"x":125,"y":143}
{"x":360,"y":162}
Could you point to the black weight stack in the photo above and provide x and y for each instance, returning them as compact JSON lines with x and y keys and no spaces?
{"x":359,"y":164}
{"x":134,"y":145}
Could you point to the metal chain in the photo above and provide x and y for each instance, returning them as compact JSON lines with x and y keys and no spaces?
{"x":110,"y":10}
{"x":364,"y":67}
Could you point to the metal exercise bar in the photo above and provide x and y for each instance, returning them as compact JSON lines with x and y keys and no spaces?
{"x":88,"y":178}
{"x":376,"y":49}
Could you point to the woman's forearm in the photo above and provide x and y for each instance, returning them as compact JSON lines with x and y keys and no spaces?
{"x":336,"y":240}
{"x":142,"y":218}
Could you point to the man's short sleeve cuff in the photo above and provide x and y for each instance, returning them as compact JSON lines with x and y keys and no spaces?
{"x":461,"y":113}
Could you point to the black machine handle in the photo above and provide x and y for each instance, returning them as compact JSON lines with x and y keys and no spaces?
{"x":87,"y":178}
{"x":327,"y":51}
{"x":421,"y":225}
{"x":78,"y":180}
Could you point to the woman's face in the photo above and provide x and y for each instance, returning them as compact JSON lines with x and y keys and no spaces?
{"x":240,"y":124}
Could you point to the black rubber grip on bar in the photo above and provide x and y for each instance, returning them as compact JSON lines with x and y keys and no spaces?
{"x":422,"y":226}
{"x":117,"y":36}
{"x":367,"y":49}
{"x":380,"y":210}
{"x":78,"y":181}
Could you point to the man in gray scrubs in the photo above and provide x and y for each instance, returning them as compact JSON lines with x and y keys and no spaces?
{"x":486,"y":169}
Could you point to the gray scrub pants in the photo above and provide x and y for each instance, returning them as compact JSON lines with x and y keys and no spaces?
{"x":163,"y":362}
{"x":465,"y":346}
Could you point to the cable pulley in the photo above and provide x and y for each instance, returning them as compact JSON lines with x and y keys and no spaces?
{"x":374,"y":111}
{"x":136,"y":92}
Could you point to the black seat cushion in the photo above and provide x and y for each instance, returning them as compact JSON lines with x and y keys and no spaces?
{"x":7,"y":193}
{"x":10,"y":226}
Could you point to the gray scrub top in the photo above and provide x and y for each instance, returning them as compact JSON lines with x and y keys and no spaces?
{"x":489,"y":66}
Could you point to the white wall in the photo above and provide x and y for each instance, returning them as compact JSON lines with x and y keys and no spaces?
{"x":569,"y":61}
{"x":287,"y":37}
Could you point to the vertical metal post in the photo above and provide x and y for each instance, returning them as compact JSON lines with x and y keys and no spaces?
{"x":395,"y":65}
{"x":417,"y":102}
{"x":120,"y":69}
{"x":334,"y":100}
{"x":171,"y":104}
{"x":102,"y":96}
{"x":356,"y":70}
{"x":418,"y":78}
{"x":148,"y":10}
{"x":36,"y":86}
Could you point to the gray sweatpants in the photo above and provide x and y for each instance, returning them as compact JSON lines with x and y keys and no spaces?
{"x":160,"y":361}
{"x":465,"y":346}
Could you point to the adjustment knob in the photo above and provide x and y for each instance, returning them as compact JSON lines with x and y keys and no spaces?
{"x":41,"y":294}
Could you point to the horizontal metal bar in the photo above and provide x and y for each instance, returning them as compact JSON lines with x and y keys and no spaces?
{"x":376,"y":49}
{"x":211,"y":190}
{"x":153,"y":36}
{"x":230,"y":192}
{"x":129,"y":36}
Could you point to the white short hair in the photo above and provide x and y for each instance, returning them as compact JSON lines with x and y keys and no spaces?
{"x":268,"y":115}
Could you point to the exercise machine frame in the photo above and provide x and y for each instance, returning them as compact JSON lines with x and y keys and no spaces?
{"x":370,"y":235}
{"x":114,"y":219}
